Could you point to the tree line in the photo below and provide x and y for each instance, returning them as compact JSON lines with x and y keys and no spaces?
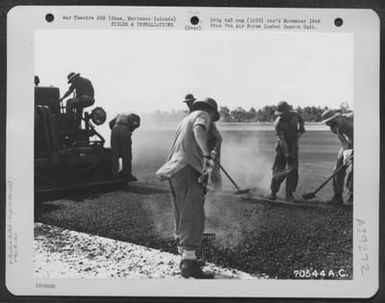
{"x":240,"y":114}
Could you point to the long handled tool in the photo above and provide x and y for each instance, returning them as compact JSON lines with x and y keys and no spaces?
{"x":239,"y":191}
{"x":312,"y":195}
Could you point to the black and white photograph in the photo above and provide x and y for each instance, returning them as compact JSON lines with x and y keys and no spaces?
{"x":218,"y":154}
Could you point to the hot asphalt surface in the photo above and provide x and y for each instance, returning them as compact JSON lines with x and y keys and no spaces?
{"x":259,"y":237}
{"x":252,"y":235}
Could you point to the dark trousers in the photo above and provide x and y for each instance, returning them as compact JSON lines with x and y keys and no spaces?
{"x":344,"y":172}
{"x":78,"y":103}
{"x":280,"y":164}
{"x":121,"y":146}
{"x":187,"y":196}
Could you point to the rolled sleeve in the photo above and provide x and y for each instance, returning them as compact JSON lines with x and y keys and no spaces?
{"x":203,"y":119}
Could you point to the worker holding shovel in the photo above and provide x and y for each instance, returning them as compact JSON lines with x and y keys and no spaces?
{"x":289,"y":126}
{"x":188,"y":159}
{"x":341,"y":124}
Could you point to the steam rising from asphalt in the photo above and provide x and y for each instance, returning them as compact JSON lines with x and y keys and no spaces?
{"x":246,"y":155}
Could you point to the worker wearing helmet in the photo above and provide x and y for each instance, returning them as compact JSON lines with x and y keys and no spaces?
{"x":214,"y":142}
{"x":84,"y":95}
{"x":188,"y":159}
{"x":289,"y":126}
{"x":341,"y":124}
{"x":122,"y":127}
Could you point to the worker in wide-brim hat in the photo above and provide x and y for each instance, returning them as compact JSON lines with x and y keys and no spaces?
{"x":341,"y":124}
{"x":214,"y":142}
{"x":72,"y":76}
{"x":329,"y":115}
{"x":289,"y":126}
{"x":188,"y":159}
{"x":189,"y":100}
{"x":84,"y":96}
{"x":282,"y":107}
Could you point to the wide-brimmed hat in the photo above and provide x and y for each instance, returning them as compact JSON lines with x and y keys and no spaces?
{"x":189,"y":98}
{"x":282,"y":107}
{"x":208,"y":102}
{"x":72,"y":76}
{"x":329,"y":115}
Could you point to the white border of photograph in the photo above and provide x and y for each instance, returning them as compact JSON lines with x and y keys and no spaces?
{"x":20,"y":279}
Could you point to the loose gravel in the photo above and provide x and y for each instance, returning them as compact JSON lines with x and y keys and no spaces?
{"x":61,"y":253}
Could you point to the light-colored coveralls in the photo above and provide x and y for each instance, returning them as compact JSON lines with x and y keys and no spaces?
{"x":345,"y":135}
{"x":183,"y":168}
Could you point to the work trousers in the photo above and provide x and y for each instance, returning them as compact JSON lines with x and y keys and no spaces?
{"x":78,"y":103}
{"x":187,"y":196}
{"x":280,"y":163}
{"x":344,"y":172}
{"x":121,"y":146}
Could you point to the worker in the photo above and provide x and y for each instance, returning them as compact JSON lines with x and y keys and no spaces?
{"x":122,"y":127}
{"x":214,"y":144}
{"x":84,"y":96}
{"x":341,"y":124}
{"x":189,"y":158}
{"x":289,"y":127}
{"x":189,"y":100}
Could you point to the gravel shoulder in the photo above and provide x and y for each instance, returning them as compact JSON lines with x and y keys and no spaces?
{"x":61,"y":253}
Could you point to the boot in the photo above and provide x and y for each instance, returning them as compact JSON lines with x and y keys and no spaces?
{"x":337,"y":199}
{"x":272,"y":196}
{"x":191,"y":269}
{"x":290,"y":197}
{"x":201,"y":263}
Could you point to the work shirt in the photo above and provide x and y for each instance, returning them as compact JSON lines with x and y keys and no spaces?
{"x":184,"y":149}
{"x":127,"y":120}
{"x":82,"y":86}
{"x":345,"y":131}
{"x":289,"y":125}
{"x":214,"y":138}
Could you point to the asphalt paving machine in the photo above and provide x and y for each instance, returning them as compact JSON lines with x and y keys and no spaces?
{"x":69,"y":153}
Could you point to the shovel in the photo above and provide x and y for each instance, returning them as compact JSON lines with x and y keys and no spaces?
{"x":312,"y":195}
{"x":239,"y":191}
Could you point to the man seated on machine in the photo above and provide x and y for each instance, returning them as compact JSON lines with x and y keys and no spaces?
{"x":84,"y":96}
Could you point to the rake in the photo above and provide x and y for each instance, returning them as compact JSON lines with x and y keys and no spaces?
{"x":239,"y":191}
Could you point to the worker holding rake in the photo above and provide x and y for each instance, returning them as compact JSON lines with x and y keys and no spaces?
{"x":214,"y":143}
{"x":188,"y":159}
{"x":289,"y":126}
{"x":341,"y":124}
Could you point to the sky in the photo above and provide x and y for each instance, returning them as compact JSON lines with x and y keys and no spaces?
{"x":144,"y":71}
